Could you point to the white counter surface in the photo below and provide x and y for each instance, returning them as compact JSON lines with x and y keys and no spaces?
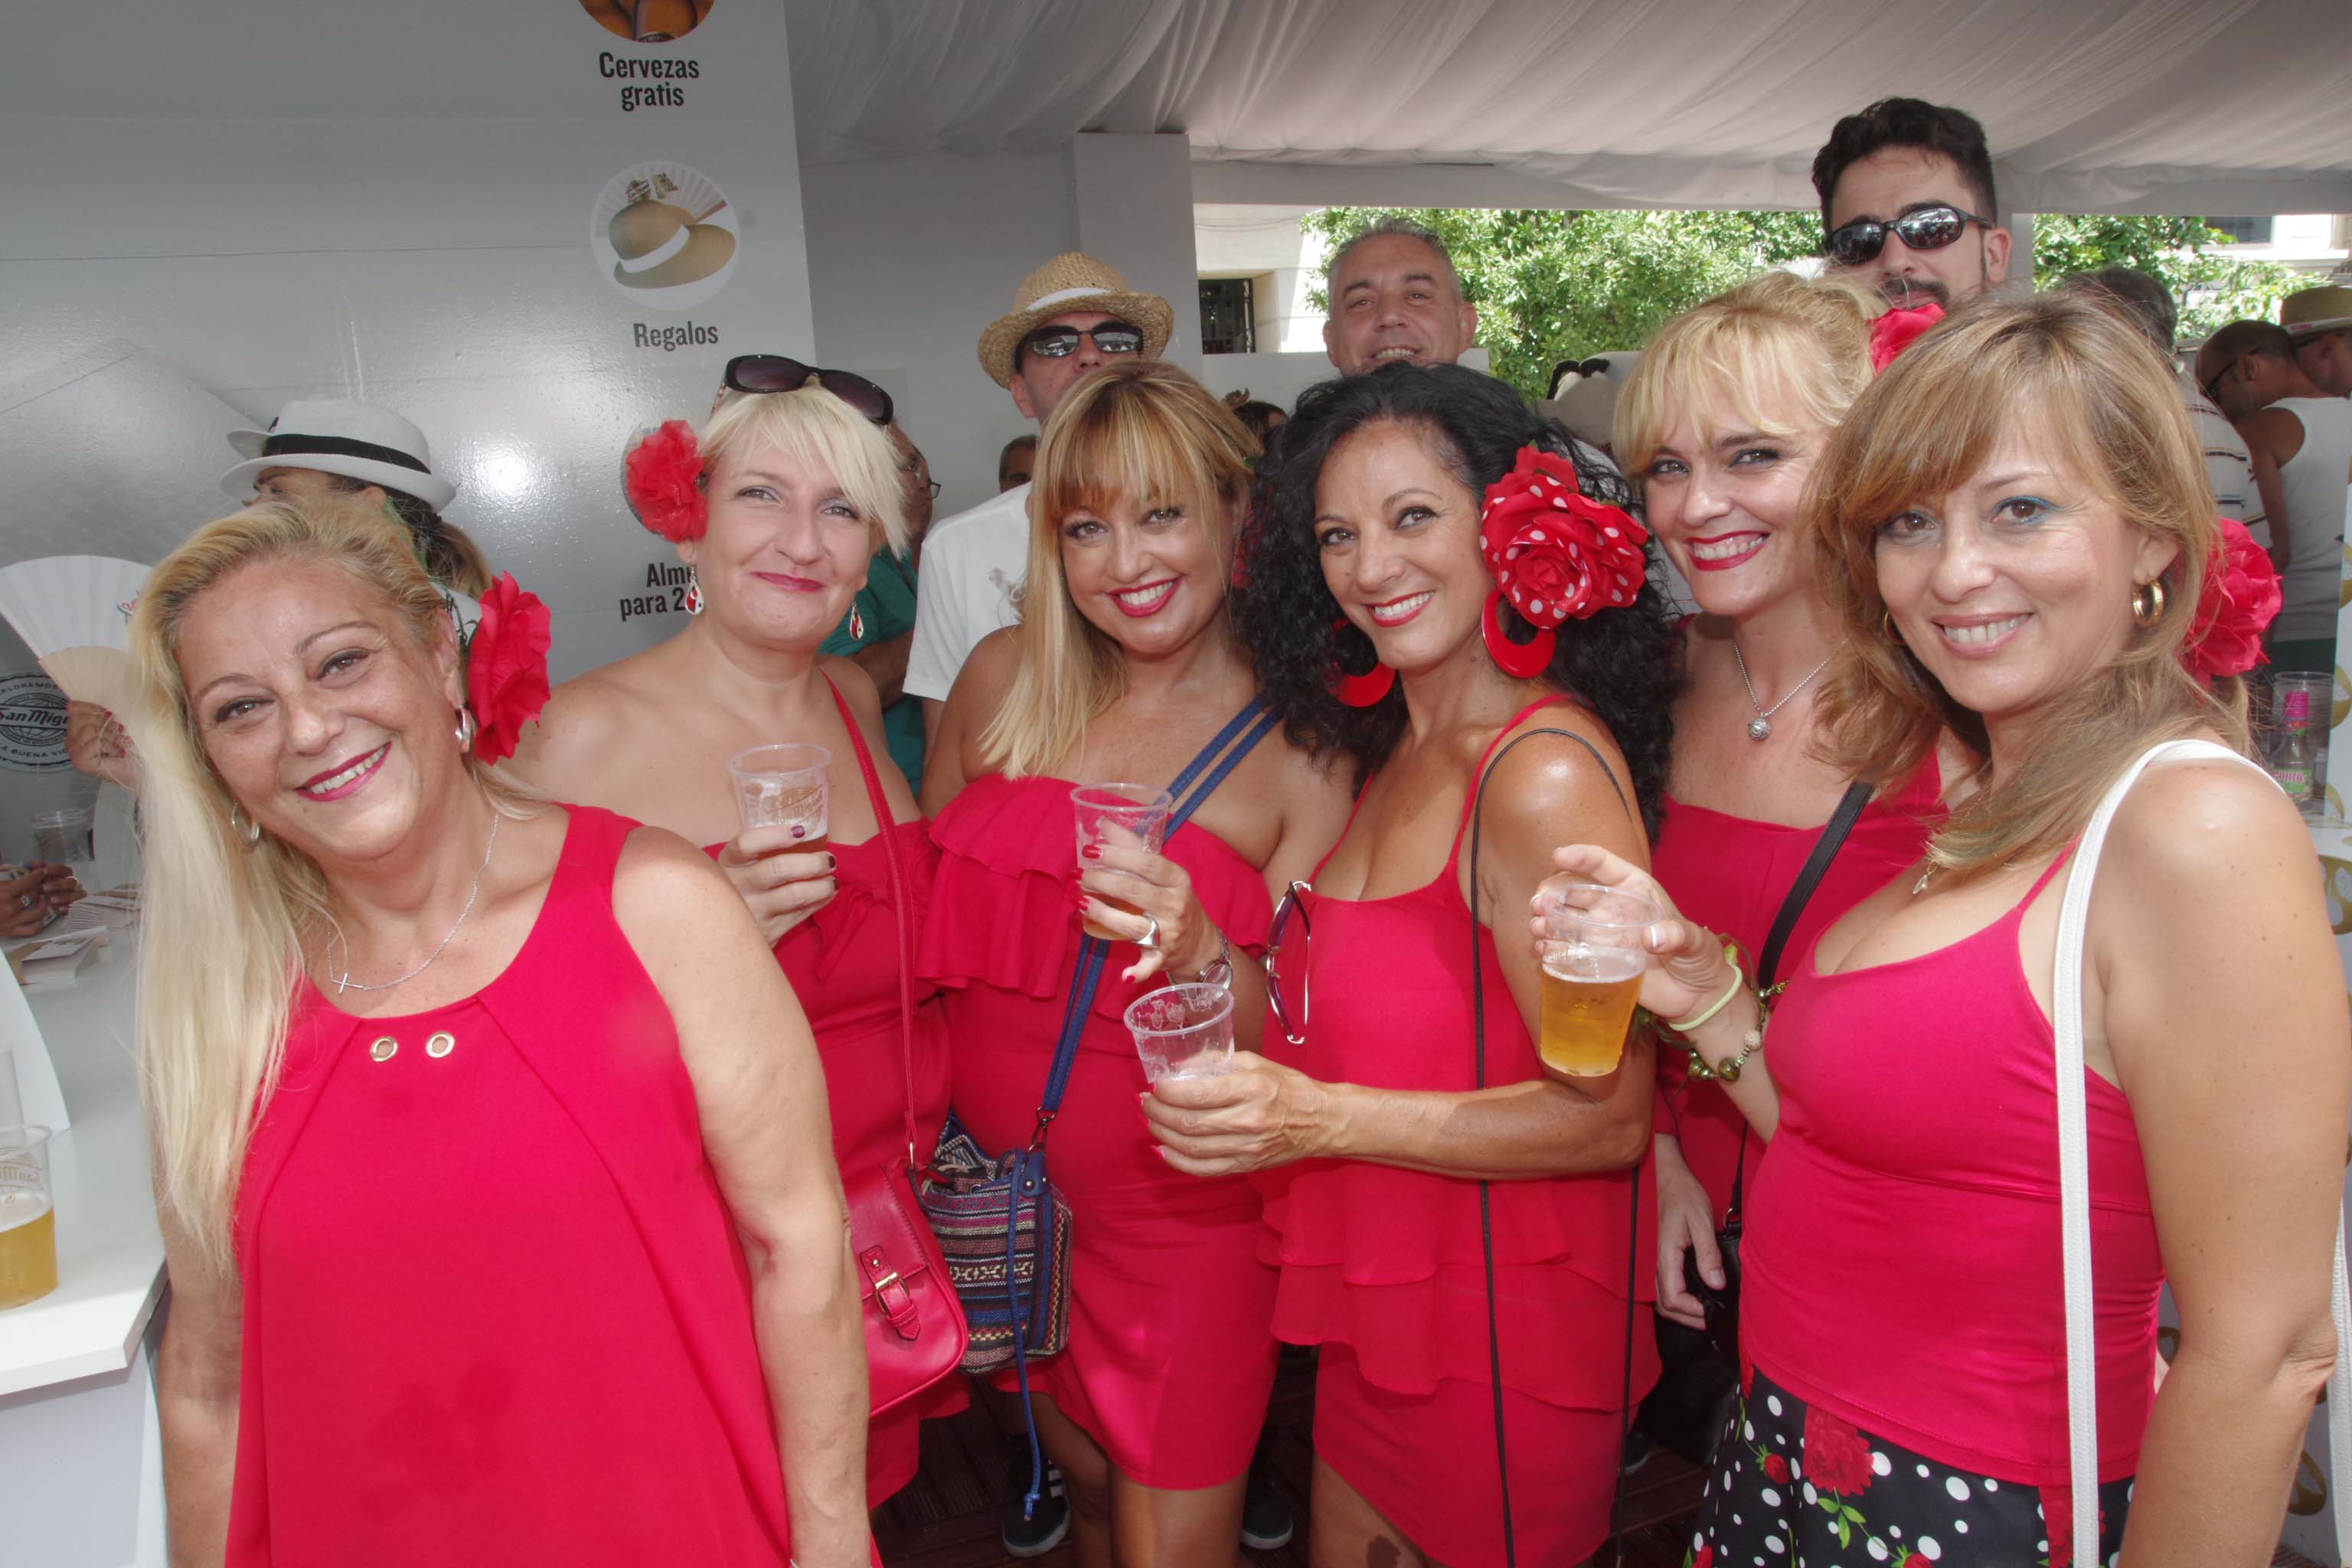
{"x":109,"y":1252}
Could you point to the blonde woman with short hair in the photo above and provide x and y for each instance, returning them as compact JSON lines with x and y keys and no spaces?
{"x":485,"y":1134}
{"x":1123,"y":667}
{"x":2015,"y":536}
{"x":778,"y":509}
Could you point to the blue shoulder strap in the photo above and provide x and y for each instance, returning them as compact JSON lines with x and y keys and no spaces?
{"x":1193,"y":786}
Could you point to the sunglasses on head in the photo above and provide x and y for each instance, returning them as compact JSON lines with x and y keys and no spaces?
{"x":775,"y":372}
{"x":1060,"y":341}
{"x":1922,"y":228}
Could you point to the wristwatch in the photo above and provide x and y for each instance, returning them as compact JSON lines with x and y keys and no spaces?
{"x":1218,"y":971}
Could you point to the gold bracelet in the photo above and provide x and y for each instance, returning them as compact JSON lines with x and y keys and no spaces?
{"x":1750,"y":1044}
{"x":1684,"y":1025}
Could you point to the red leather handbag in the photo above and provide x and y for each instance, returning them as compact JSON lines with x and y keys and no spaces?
{"x":915,"y":1327}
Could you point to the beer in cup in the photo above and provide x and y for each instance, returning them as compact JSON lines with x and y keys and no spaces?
{"x":1593,"y":959}
{"x":28,"y":1217}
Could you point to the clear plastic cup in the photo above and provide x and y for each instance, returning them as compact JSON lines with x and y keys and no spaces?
{"x":1183,"y":1031}
{"x":1131,"y":815}
{"x":28,"y":1217}
{"x":784,"y":786}
{"x":63,"y":837}
{"x":1593,"y":959}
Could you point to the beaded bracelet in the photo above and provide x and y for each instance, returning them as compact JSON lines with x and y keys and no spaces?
{"x":1749,"y":1043}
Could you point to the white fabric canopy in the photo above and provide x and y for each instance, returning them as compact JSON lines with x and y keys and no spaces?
{"x":2209,"y":106}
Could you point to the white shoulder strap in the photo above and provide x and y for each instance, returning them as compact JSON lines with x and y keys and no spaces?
{"x":2075,"y":1192}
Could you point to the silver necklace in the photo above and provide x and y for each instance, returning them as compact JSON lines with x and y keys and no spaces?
{"x":1760,"y":727}
{"x":345,"y":982}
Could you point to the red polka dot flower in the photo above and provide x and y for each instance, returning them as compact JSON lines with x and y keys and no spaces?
{"x":1556,"y":553}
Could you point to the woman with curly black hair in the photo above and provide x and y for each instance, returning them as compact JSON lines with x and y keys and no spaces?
{"x":1485,"y":558}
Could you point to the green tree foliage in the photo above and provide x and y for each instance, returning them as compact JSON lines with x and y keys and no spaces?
{"x":2213,"y":287}
{"x":1552,"y":286}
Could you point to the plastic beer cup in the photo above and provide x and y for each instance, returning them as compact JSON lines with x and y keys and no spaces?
{"x":28,"y":1217}
{"x":784,"y":786}
{"x":1130,"y":815}
{"x":1593,"y":959}
{"x":1183,"y":1031}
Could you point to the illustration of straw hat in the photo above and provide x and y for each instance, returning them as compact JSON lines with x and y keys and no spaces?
{"x":662,"y":240}
{"x":2310,"y":310}
{"x":1071,"y":282}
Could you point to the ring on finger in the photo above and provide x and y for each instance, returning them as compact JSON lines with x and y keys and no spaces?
{"x":1150,"y":940}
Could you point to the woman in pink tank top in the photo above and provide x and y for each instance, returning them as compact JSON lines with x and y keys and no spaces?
{"x":490,"y":1146}
{"x":1389,"y":1168}
{"x":1719,"y":426}
{"x":797,"y":492}
{"x":2044,"y":576}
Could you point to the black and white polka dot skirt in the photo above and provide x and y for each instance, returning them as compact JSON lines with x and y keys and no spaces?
{"x":1795,"y":1487}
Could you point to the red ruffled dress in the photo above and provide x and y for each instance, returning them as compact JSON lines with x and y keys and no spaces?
{"x":1731,"y":874}
{"x":495,"y":1306}
{"x":843,"y":962}
{"x":1384,"y":1268}
{"x":1171,"y":1359}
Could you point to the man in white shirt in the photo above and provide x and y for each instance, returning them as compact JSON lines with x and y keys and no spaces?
{"x":1070,"y":316}
{"x":2149,"y":306}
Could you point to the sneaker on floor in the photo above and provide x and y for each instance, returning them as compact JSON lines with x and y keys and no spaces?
{"x":1042,"y":1530}
{"x":1265,"y":1517}
{"x":1640,"y":1448}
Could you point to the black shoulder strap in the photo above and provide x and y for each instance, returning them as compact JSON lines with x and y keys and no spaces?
{"x":1486,"y":1197}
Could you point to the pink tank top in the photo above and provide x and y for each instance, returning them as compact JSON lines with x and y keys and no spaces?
{"x":1901,"y":1261}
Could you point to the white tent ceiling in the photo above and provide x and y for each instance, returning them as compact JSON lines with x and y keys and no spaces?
{"x":2217,"y":106}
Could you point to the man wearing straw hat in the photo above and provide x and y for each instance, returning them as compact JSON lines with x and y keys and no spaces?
{"x":1070,"y":316}
{"x":2320,"y":323}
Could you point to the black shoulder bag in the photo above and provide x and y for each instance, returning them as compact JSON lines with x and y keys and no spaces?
{"x":1486,"y":1202}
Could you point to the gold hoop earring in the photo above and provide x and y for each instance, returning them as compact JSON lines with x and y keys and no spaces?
{"x":1887,"y":624}
{"x":2147,"y":602}
{"x":248,"y":831}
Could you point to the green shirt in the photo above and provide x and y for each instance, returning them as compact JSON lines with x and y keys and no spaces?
{"x":886,"y":605}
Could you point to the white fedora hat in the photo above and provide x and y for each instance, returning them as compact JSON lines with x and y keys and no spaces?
{"x":333,"y":436}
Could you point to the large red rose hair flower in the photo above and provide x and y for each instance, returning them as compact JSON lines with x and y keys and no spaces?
{"x":506,"y":668}
{"x":2240,"y":598}
{"x":1898,"y":330}
{"x":663,"y":482}
{"x":1556,"y":554}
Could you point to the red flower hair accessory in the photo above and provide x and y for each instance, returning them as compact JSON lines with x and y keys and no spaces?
{"x":1898,"y":330}
{"x":2239,"y":599}
{"x":1556,"y":554}
{"x":663,"y":482}
{"x":506,"y":666}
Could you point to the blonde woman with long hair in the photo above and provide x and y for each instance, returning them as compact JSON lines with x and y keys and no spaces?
{"x":486,"y":1132}
{"x":2016,"y":538}
{"x":1124,"y":666}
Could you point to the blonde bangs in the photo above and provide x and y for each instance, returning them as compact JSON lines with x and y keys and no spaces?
{"x":811,"y":429}
{"x":2096,"y":397}
{"x":1778,"y":355}
{"x":1143,"y":432}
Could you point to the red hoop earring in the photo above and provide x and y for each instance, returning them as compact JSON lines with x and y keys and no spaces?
{"x":1365,"y":690}
{"x":1526,"y":660}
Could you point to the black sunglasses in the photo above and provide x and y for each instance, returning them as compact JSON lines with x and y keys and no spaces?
{"x":1923,"y":228}
{"x":1061,"y":341}
{"x":775,"y":372}
{"x":1285,"y":978}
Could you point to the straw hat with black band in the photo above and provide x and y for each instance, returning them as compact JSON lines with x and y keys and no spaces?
{"x":2311,"y":311}
{"x":1071,"y":282}
{"x":334,"y":435}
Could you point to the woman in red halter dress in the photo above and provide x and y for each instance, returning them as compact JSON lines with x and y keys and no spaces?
{"x":531,"y":1252}
{"x":799,"y":492}
{"x":1386,"y":1161}
{"x":2035,"y":577}
{"x":1719,"y":426}
{"x":1122,"y":669}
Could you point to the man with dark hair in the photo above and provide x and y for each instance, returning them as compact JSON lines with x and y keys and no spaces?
{"x":2320,"y":323}
{"x":1907,"y":203}
{"x":1017,"y":462}
{"x":1394,"y":295}
{"x":2148,"y":305}
{"x":2300,"y":441}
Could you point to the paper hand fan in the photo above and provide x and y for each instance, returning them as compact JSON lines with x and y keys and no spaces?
{"x":74,"y":613}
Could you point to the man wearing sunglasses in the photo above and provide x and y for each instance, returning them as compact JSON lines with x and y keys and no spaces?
{"x":1907,"y":203}
{"x":1070,"y":316}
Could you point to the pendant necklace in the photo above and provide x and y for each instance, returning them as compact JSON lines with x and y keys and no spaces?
{"x":1760,"y":727}
{"x":345,"y":982}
